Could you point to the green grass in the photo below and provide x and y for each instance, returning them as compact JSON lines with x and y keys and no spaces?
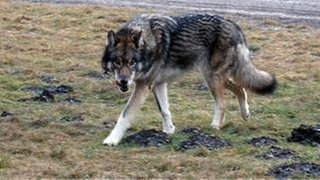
{"x":67,"y":42}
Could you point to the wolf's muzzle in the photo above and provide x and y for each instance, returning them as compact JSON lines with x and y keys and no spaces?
{"x":123,"y":85}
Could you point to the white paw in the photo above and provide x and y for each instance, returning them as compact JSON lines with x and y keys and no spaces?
{"x":245,"y":115}
{"x":169,"y":130}
{"x":111,"y":141}
{"x":216,"y":126}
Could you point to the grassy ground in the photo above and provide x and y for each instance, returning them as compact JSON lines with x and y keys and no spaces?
{"x":67,"y":42}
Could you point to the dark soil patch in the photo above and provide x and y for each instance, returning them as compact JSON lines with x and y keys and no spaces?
{"x":107,"y":124}
{"x":279,"y":153}
{"x":61,"y":89}
{"x":304,"y":168}
{"x":191,"y":131}
{"x":306,"y":134}
{"x":146,"y":138}
{"x":5,"y":114}
{"x":46,"y":93}
{"x":48,"y":79}
{"x":70,"y":119}
{"x":200,"y":139}
{"x":44,"y":96}
{"x":72,"y":100}
{"x":262,"y":141}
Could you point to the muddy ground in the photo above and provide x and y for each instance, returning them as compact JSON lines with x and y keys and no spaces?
{"x":287,"y":10}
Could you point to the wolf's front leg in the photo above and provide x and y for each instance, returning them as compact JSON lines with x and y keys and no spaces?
{"x":125,"y":120}
{"x":161,"y":95}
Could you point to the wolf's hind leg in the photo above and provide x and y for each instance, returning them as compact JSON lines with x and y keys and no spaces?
{"x":160,"y":93}
{"x":125,"y":120}
{"x":217,"y":89}
{"x":241,"y":94}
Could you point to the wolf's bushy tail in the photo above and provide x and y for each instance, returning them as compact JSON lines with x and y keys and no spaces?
{"x":252,"y":78}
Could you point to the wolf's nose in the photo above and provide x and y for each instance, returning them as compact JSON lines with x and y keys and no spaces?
{"x":123,"y":82}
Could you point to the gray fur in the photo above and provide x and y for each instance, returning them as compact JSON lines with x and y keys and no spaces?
{"x":164,"y":47}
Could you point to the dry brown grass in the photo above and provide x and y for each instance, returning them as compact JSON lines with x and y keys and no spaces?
{"x":67,"y":41}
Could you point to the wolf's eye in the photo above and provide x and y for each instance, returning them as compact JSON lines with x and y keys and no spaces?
{"x":133,"y":62}
{"x":117,"y":62}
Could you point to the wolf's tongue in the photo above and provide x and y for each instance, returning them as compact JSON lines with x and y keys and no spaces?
{"x":117,"y":83}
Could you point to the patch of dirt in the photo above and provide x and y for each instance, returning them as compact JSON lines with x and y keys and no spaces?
{"x":306,"y":134}
{"x":200,"y":139}
{"x":146,"y":138}
{"x":262,"y":141}
{"x":279,"y":153}
{"x":44,"y":96}
{"x":304,"y":168}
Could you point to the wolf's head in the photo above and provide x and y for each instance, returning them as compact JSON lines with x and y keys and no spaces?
{"x":123,"y":56}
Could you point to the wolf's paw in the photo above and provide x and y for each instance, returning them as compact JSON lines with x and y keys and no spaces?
{"x":245,"y":115}
{"x":169,"y":130}
{"x":216,"y":126}
{"x":111,"y":141}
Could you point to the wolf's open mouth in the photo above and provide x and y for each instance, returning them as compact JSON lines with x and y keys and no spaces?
{"x":124,"y":88}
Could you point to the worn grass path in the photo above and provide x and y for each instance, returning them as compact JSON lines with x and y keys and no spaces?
{"x":66,"y":42}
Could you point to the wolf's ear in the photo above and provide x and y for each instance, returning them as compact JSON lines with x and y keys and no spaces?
{"x":137,"y":38}
{"x":111,"y":39}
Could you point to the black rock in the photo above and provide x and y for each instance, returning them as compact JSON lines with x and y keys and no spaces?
{"x":262,"y":141}
{"x":71,"y":99}
{"x":108,"y":124}
{"x":146,"y":138}
{"x":69,"y":119}
{"x":303,"y":168}
{"x":44,"y":96}
{"x":201,"y":87}
{"x":5,"y":114}
{"x":279,"y":153}
{"x":62,"y":89}
{"x":306,"y":134}
{"x":200,"y":139}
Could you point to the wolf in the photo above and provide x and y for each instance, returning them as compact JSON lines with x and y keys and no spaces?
{"x":151,"y":50}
